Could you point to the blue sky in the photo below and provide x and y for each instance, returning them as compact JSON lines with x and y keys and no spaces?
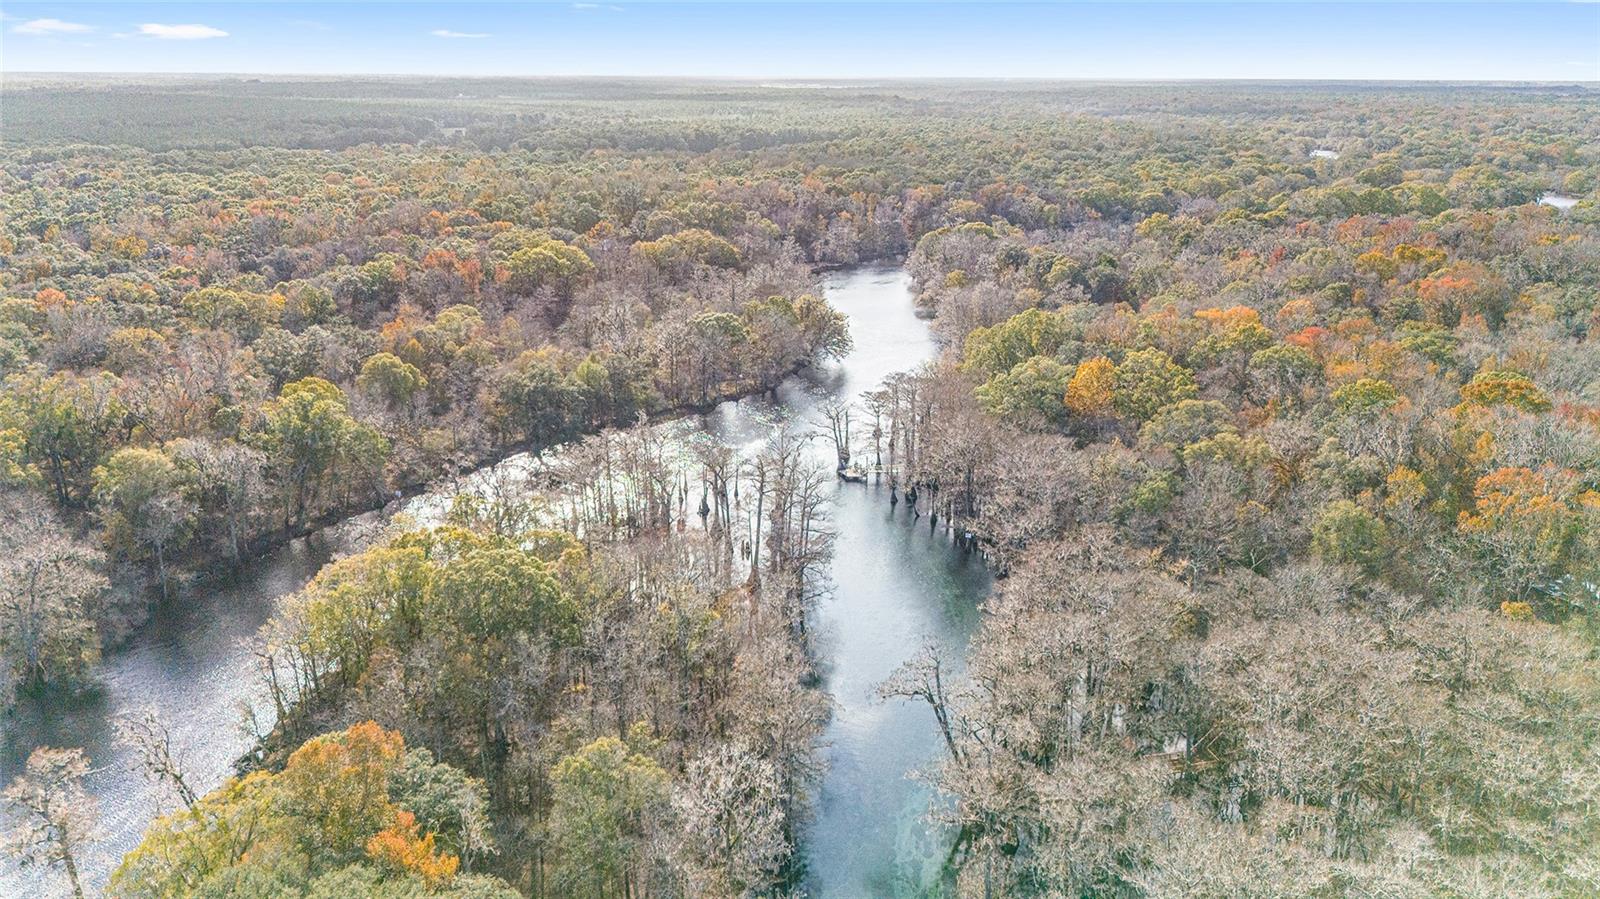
{"x":1533,"y":41}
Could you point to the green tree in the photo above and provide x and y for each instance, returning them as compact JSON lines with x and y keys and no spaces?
{"x":1185,"y":422}
{"x":1033,"y":391}
{"x":1347,"y":533}
{"x":1033,"y":332}
{"x":390,"y":379}
{"x":716,"y":339}
{"x":1283,"y":371}
{"x":1232,"y":349}
{"x":606,"y":801}
{"x":490,"y":591}
{"x":310,"y":435}
{"x":547,"y":263}
{"x":142,"y":496}
{"x":680,"y":252}
{"x":69,"y":423}
{"x":1367,"y":396}
{"x":535,"y":401}
{"x":242,"y":313}
{"x":445,"y":801}
{"x":1147,"y":380}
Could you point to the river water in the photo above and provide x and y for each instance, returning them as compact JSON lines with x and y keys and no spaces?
{"x":898,"y":583}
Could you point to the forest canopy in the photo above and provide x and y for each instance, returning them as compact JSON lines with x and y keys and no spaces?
{"x":1275,"y":407}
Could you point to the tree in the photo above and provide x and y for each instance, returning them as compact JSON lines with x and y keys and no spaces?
{"x":1032,"y":332}
{"x":401,"y":847}
{"x":1148,"y":379}
{"x":677,"y":253}
{"x":150,"y":738}
{"x":1232,"y":348}
{"x":143,"y":501}
{"x":1186,"y":422}
{"x":547,"y":263}
{"x":1031,"y":392}
{"x":535,"y":401}
{"x":717,"y":338}
{"x":445,"y":801}
{"x":1345,"y":532}
{"x":57,"y":820}
{"x":824,"y":331}
{"x":1461,"y":289}
{"x":606,"y":804}
{"x":1527,"y":525}
{"x":1283,"y":371}
{"x":243,"y":313}
{"x":1504,"y":387}
{"x":310,"y":435}
{"x":337,"y":786}
{"x":1366,"y":397}
{"x":50,"y":590}
{"x":225,"y":479}
{"x":235,"y":833}
{"x":333,"y":823}
{"x":493,"y":590}
{"x":1089,"y":393}
{"x":730,"y":812}
{"x":391,"y":380}
{"x":69,"y":424}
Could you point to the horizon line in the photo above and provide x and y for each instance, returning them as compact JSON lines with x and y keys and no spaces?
{"x":1258,"y":79}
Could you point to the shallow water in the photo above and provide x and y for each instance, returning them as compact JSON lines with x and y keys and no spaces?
{"x":898,"y":582}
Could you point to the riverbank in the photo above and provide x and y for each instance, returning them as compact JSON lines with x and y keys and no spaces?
{"x":896,"y":582}
{"x":210,"y":574}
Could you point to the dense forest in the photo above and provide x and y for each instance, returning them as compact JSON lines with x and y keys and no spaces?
{"x":1276,"y":408}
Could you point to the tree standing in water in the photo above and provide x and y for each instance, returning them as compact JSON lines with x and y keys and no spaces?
{"x":57,"y":818}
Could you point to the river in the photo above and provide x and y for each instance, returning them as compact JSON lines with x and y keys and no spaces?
{"x":897,"y":583}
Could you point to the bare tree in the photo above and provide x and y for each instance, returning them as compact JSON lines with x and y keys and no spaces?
{"x":836,"y":422}
{"x":57,"y":819}
{"x":159,"y":759}
{"x":730,"y":804}
{"x":922,"y":677}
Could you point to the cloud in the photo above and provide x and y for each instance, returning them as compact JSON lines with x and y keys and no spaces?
{"x":51,"y":26}
{"x":181,"y":32}
{"x":445,"y":32}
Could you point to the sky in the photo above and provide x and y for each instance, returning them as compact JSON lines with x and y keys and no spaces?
{"x":1304,"y":40}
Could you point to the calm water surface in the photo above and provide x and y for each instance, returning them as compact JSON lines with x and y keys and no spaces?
{"x":898,"y":583}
